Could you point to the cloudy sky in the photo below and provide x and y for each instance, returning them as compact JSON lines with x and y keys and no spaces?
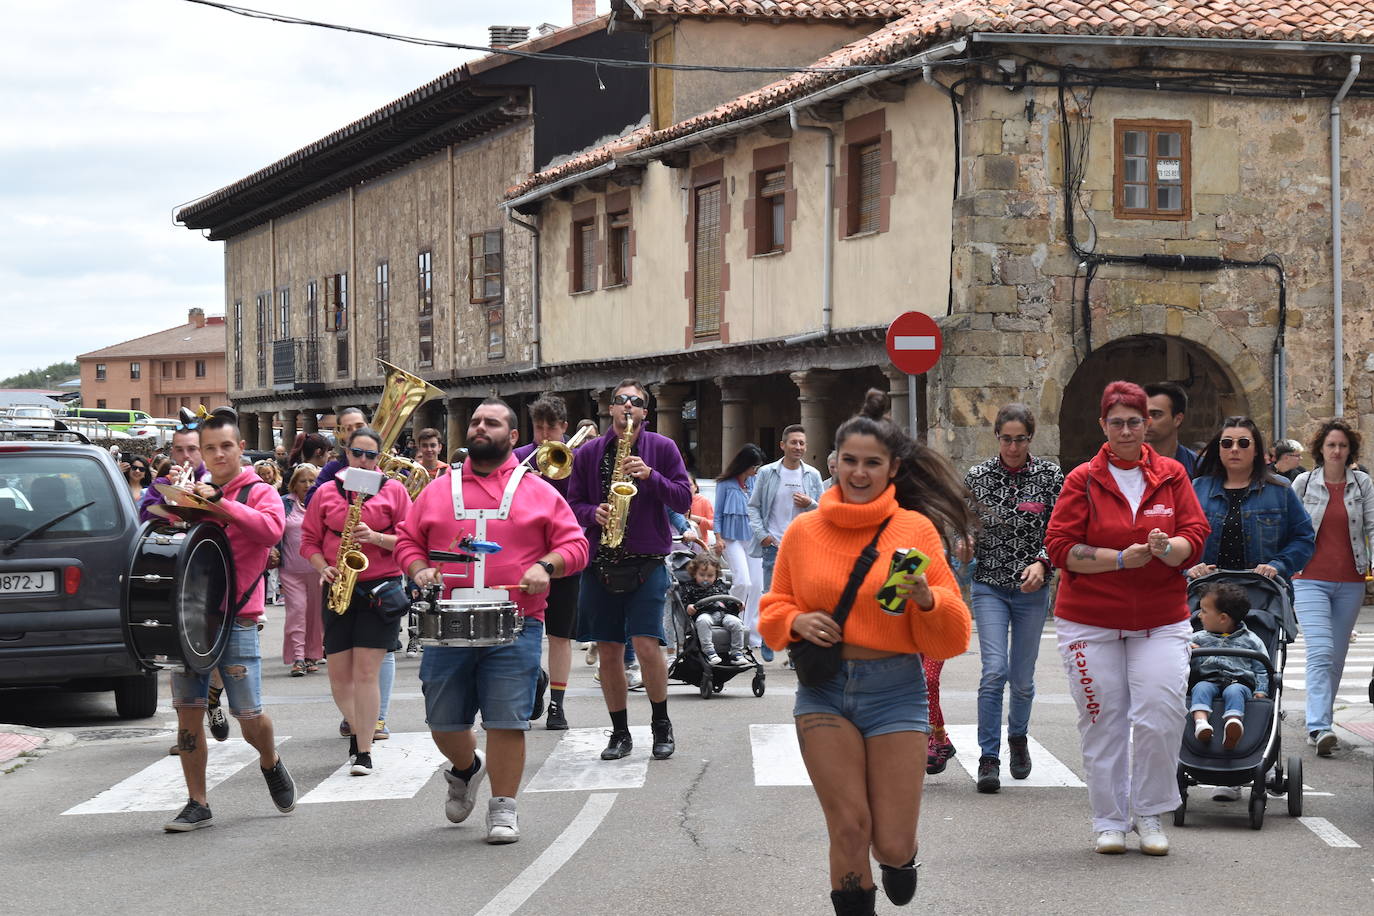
{"x":117,"y":113}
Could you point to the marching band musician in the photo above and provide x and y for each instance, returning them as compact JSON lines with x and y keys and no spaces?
{"x":549,"y":416}
{"x":350,"y":420}
{"x":540,"y":540}
{"x":428,"y":447}
{"x":256,"y":521}
{"x":358,"y":640}
{"x":611,"y":607}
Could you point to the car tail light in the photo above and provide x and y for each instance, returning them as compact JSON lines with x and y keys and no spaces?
{"x":71,"y":579}
{"x":15,"y":448}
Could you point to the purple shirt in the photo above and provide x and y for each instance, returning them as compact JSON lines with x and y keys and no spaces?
{"x":524,"y":451}
{"x":151,"y":497}
{"x":327,"y":473}
{"x":646,"y":530}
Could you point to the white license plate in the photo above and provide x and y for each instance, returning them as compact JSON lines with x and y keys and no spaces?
{"x":26,"y":583}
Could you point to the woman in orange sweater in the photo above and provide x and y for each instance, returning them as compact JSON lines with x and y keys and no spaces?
{"x":862,"y":732}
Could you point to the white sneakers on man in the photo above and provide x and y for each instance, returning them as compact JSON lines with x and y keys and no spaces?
{"x":462,"y":793}
{"x":1153,"y":842}
{"x":502,"y":824}
{"x":1111,"y":842}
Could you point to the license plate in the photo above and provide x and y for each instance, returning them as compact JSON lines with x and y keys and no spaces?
{"x":27,"y":583}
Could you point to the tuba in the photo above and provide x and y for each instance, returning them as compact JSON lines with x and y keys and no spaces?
{"x":554,"y":459}
{"x":622,"y":489}
{"x":401,"y":394}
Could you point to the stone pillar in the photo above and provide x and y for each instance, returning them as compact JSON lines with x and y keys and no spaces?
{"x":311,"y":421}
{"x":459,"y":412}
{"x":248,"y":428}
{"x":603,"y":408}
{"x":897,"y":391}
{"x":288,"y":428}
{"x":813,"y":386}
{"x":734,"y":416}
{"x":668,"y":398}
{"x":265,"y":423}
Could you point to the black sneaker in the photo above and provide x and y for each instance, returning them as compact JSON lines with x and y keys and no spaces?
{"x":899,"y":883}
{"x":1020,"y":756}
{"x":663,"y":739}
{"x":219,"y":722}
{"x":281,"y":786}
{"x":362,"y":764}
{"x":539,"y":689}
{"x":989,"y":777}
{"x":556,"y":722}
{"x":620,"y":745}
{"x":193,"y":817}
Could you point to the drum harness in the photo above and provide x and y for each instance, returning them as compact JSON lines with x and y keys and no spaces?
{"x":461,"y":513}
{"x":242,"y":497}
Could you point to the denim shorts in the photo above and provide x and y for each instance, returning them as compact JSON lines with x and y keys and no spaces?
{"x":240,"y":667}
{"x":606,"y":617}
{"x":498,"y":681}
{"x":879,"y":696}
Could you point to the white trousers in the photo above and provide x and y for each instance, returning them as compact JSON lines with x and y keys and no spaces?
{"x":1129,"y":686}
{"x":746,"y":584}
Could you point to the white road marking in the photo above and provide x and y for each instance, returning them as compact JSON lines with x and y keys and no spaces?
{"x":913,"y":342}
{"x":1046,"y":770}
{"x":160,"y":786}
{"x":563,"y":848}
{"x":1307,"y":791}
{"x":777,"y":757}
{"x":1328,"y":833}
{"x":576,"y":765}
{"x":1300,"y":683}
{"x":403,"y":764}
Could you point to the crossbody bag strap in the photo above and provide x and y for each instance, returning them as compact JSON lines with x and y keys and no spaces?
{"x":242,"y":497}
{"x":856,"y":577}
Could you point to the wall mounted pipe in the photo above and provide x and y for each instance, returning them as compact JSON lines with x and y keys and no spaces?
{"x":828,"y":232}
{"x":1337,"y":279}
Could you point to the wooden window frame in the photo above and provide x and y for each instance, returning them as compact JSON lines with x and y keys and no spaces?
{"x":703,"y":176}
{"x":135,"y":370}
{"x":135,"y":403}
{"x":661,"y":83}
{"x":312,"y":309}
{"x":1152,"y":127}
{"x":202,"y":368}
{"x":859,"y":133}
{"x":424,"y":296}
{"x":758,"y":209}
{"x":284,"y":313}
{"x":619,"y":218}
{"x":100,"y":404}
{"x":263,"y":315}
{"x":100,"y":372}
{"x":582,"y":275}
{"x":381,"y":301}
{"x":181,"y":368}
{"x":482,"y":277}
{"x":238,"y":344}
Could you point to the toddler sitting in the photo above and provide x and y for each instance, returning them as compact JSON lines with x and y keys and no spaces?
{"x":1222,"y":611}
{"x":705,"y":573}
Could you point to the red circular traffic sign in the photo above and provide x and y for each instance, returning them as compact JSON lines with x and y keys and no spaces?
{"x":914,"y":342}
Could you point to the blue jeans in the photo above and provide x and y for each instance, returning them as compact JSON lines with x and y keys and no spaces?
{"x":997,"y":611}
{"x":497,"y":681}
{"x":770,"y":559}
{"x":880,"y":696}
{"x":386,"y":677}
{"x":240,"y":667}
{"x":1235,"y":697}
{"x":603,"y":616}
{"x":1326,"y":616}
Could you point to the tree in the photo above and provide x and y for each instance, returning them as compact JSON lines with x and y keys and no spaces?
{"x":42,"y":378}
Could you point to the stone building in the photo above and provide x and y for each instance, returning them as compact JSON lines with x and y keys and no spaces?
{"x":161,"y":372}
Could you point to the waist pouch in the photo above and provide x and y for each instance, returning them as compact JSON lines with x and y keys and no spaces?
{"x":623,"y":578}
{"x":389,"y":600}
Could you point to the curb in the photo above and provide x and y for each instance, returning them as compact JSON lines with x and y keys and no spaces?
{"x":20,"y":743}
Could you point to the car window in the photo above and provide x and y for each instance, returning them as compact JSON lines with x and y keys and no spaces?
{"x":35,"y":488}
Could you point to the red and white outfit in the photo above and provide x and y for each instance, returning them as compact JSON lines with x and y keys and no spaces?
{"x":1123,"y":635}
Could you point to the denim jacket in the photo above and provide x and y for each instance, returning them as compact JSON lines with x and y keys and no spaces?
{"x":1277,"y":529}
{"x":1226,"y":668}
{"x":1359,"y":507}
{"x":761,"y":500}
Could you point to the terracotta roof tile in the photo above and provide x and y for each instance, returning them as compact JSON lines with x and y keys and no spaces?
{"x":183,"y":340}
{"x":781,"y":9}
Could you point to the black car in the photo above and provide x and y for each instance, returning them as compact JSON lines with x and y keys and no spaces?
{"x":67,"y":524}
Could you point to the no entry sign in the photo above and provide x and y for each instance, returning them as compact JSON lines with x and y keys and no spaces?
{"x":914,"y":342}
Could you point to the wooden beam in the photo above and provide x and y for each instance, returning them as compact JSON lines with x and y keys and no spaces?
{"x":886,"y":91}
{"x":628,"y":175}
{"x":722,"y":146}
{"x":827,"y":111}
{"x":778,"y":130}
{"x":678,"y":159}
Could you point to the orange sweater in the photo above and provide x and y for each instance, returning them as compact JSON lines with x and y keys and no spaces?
{"x":817,"y":556}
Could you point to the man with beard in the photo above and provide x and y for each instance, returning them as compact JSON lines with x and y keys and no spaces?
{"x":495,"y":500}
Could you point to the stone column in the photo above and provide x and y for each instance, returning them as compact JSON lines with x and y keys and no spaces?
{"x":265,"y":422}
{"x":668,"y":398}
{"x":288,"y":428}
{"x":457,"y":422}
{"x":248,"y":428}
{"x":603,"y":408}
{"x":897,"y":391}
{"x":311,"y":421}
{"x":813,"y":386}
{"x":734,"y":416}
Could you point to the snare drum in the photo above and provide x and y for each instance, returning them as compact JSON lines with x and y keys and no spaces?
{"x":471,"y":623}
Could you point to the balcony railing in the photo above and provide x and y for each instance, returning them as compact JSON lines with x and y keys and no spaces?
{"x":295,"y":361}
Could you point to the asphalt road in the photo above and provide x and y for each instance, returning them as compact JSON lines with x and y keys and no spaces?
{"x":702,"y":833}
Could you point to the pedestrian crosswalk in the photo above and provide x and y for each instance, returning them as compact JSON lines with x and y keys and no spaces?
{"x":1353,"y":686}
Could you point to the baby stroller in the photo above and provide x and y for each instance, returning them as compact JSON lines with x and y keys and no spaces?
{"x":1257,"y":760}
{"x":691,"y":664}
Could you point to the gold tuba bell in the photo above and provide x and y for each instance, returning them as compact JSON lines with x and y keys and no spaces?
{"x":554,"y":459}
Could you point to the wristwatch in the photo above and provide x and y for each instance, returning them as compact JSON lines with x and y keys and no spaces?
{"x":548,"y":567}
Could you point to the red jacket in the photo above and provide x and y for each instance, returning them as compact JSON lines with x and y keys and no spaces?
{"x":1091,"y":510}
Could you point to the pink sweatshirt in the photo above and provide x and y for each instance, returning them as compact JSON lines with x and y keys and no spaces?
{"x":327,"y":512}
{"x":540,"y":522}
{"x":254,"y":529}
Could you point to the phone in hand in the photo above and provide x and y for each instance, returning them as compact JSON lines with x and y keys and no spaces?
{"x":908,"y":563}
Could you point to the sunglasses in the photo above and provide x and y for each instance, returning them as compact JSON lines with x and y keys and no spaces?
{"x":1242,"y":443}
{"x":1117,"y":423}
{"x":633,"y":400}
{"x":363,"y":452}
{"x":1013,"y":440}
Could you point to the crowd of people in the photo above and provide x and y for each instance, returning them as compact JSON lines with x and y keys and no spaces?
{"x":806,"y":557}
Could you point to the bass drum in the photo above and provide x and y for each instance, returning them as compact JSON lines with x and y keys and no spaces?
{"x":178,"y":588}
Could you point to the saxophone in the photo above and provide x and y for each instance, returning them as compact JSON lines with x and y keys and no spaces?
{"x":349,"y":561}
{"x":621,"y":491}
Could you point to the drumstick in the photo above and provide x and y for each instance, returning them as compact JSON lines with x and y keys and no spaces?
{"x":510,"y":588}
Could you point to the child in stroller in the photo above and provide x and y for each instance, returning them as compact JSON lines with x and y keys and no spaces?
{"x":1222,"y":608}
{"x":704,"y":582}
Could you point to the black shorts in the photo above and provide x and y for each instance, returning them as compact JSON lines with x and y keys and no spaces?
{"x":560,"y":617}
{"x":361,"y":626}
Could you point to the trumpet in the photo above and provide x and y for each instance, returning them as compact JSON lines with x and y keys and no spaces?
{"x":554,"y":459}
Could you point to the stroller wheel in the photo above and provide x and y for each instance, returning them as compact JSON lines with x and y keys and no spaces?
{"x":1294,"y":786}
{"x":758,"y":685}
{"x":1257,"y":801}
{"x":1181,"y":812}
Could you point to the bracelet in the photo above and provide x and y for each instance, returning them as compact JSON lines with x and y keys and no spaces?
{"x":1121,"y":559}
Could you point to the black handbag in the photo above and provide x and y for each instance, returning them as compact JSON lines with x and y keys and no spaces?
{"x":390,"y":600}
{"x":625,"y":577}
{"x":818,"y":664}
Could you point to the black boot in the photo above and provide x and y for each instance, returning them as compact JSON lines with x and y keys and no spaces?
{"x":856,"y":902}
{"x":899,"y":882}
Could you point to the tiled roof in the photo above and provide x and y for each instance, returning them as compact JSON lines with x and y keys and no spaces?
{"x":183,"y":340}
{"x":934,"y":21}
{"x":780,"y":9}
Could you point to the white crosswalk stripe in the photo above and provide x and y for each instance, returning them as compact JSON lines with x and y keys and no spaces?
{"x":402,"y":765}
{"x":1046,"y":770}
{"x":160,"y":786}
{"x":777,"y":758}
{"x":576,"y":765}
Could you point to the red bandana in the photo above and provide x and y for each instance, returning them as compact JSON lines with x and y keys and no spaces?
{"x":1117,"y":461}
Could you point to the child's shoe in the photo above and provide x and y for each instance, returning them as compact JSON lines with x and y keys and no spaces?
{"x":1234,"y":730}
{"x":1202,"y":730}
{"x":713,"y":659}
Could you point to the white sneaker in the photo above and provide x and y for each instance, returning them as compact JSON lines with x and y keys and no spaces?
{"x":1153,"y":842}
{"x":591,"y":653}
{"x":462,"y":794}
{"x":1234,"y":730}
{"x":1111,"y":842}
{"x":502,"y":824}
{"x":632,"y":678}
{"x":1226,"y":793}
{"x":713,"y":658}
{"x":1202,"y":730}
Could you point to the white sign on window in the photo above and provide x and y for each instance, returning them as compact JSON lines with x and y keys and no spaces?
{"x":1169,"y":170}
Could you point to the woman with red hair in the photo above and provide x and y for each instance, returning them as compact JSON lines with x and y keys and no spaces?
{"x":1125,"y":522}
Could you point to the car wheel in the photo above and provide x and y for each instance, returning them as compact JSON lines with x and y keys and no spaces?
{"x":136,"y":697}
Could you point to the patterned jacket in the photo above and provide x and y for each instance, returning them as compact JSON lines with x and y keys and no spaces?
{"x":1014,"y":508}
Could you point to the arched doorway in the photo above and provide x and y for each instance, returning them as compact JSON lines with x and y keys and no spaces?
{"x":1213,"y":392}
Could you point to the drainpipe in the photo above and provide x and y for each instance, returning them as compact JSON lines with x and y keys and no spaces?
{"x":1338,"y":301}
{"x":535,"y":338}
{"x":828,"y":233}
{"x":928,"y":74}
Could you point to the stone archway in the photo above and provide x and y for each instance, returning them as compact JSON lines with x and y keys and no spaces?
{"x":1214,"y":389}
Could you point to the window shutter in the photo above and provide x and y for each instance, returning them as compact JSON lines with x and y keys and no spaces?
{"x":870,"y":187}
{"x":706,"y":263}
{"x":773,"y":183}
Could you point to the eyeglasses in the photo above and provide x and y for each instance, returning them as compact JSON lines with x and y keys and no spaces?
{"x":1013,"y":440}
{"x":633,"y":400}
{"x":1116,"y":423}
{"x":363,"y":452}
{"x":1242,"y":443}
